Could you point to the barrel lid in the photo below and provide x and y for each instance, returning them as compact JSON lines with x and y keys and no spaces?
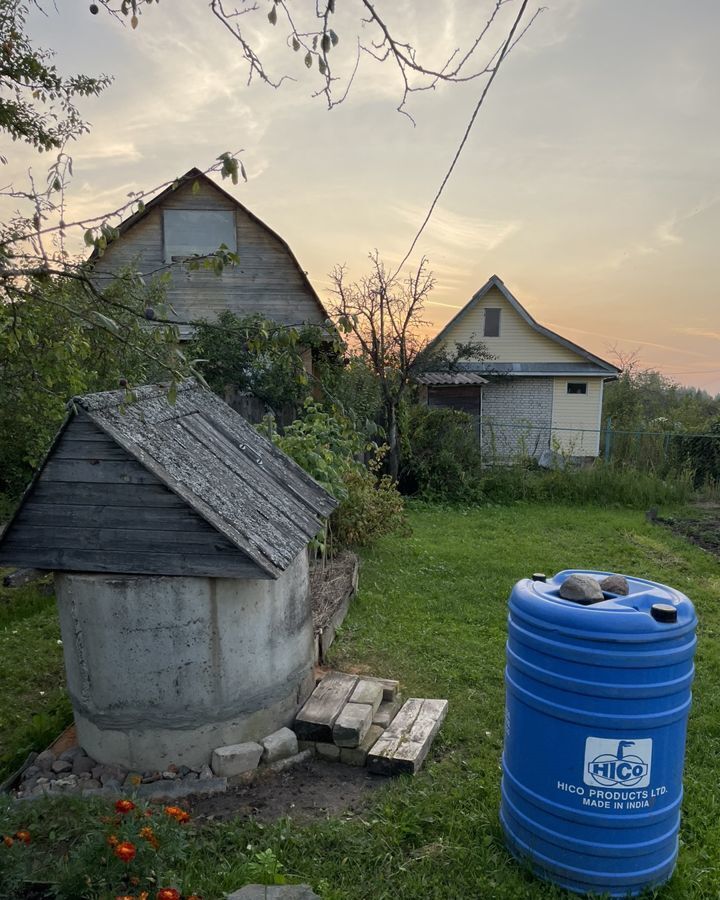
{"x":650,"y":608}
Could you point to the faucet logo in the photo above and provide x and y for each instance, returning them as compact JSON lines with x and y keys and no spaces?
{"x":612,"y":762}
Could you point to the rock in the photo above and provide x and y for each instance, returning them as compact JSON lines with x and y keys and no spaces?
{"x":327,"y":751}
{"x":111,"y":784}
{"x":236,"y":758}
{"x":183,"y":771}
{"x":71,"y":753}
{"x":191,"y":776}
{"x":84,"y":776}
{"x":151,"y":777}
{"x":306,"y":745}
{"x":31,"y":772}
{"x":169,"y":775}
{"x":82,"y":765}
{"x":279,"y":745}
{"x":205,"y":773}
{"x":357,"y":756}
{"x":370,"y":692}
{"x":42,"y":780}
{"x":352,"y":724}
{"x":60,"y":766}
{"x":581,"y":588}
{"x":65,"y":784}
{"x":172,"y":768}
{"x":615,"y":584}
{"x":178,"y":790}
{"x":132,"y":779}
{"x":102,"y":773}
{"x":274,"y":892}
{"x":91,"y":785}
{"x":45,"y":760}
{"x":291,"y":761}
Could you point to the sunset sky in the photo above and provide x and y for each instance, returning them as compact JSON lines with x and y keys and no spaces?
{"x":590,"y":184}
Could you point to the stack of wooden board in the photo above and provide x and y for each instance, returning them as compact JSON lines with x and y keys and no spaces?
{"x":358,"y":720}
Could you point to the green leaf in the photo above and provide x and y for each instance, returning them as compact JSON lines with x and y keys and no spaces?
{"x":272,"y":15}
{"x":196,"y":187}
{"x":326,"y":43}
{"x":243,"y":172}
{"x":89,"y":238}
{"x":105,"y":322}
{"x":295,"y":43}
{"x":172,"y":392}
{"x":334,"y":38}
{"x":321,"y":65}
{"x":308,"y":59}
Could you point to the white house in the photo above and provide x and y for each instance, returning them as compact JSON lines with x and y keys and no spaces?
{"x":539,"y":392}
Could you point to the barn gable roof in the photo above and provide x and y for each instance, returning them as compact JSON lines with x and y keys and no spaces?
{"x":600,"y":366}
{"x":190,"y":177}
{"x":214,"y":461}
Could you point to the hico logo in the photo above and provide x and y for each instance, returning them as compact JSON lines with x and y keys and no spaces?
{"x":613,"y":762}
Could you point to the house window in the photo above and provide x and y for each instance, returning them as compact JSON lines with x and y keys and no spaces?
{"x":492,"y":323}
{"x":187,"y":232}
{"x":577,"y":387}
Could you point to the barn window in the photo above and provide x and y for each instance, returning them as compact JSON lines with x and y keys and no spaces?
{"x":188,"y":232}
{"x":492,"y":323}
{"x":577,"y":387}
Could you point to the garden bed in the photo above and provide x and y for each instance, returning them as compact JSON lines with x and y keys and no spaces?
{"x":700,"y":525}
{"x":333,"y":584}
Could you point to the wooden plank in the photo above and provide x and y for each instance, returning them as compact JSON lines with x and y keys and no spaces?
{"x":92,"y":449}
{"x":136,"y":495}
{"x":405,"y":743}
{"x":135,"y":563}
{"x":107,"y":472}
{"x":37,"y":537}
{"x":315,"y":720}
{"x":71,"y":515}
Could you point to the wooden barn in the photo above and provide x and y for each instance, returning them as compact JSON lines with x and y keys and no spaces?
{"x":149,"y":488}
{"x":196,"y":216}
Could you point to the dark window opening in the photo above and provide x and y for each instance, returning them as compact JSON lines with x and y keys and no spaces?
{"x":492,"y":323}
{"x":577,"y":387}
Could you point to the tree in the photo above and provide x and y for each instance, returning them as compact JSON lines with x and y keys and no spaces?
{"x":383,"y":315}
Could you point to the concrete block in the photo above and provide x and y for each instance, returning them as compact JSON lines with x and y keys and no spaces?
{"x":357,"y":756}
{"x":327,"y":751}
{"x":391,"y":688}
{"x":279,"y":745}
{"x":386,"y":712}
{"x":352,"y":724}
{"x":236,"y":758}
{"x":179,"y":790}
{"x":306,"y":745}
{"x":370,"y":692}
{"x":273,"y":892}
{"x":282,"y":764}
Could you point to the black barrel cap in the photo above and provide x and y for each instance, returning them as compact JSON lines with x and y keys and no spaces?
{"x":663,"y":612}
{"x":539,"y":576}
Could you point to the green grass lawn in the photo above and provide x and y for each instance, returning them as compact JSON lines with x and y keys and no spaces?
{"x":431,"y":612}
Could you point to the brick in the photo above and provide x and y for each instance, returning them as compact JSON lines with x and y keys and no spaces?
{"x":279,"y":745}
{"x":327,"y":751}
{"x":386,"y":712}
{"x":357,"y":756}
{"x":370,"y":692}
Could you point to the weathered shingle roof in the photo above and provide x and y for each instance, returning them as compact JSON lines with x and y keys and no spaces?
{"x":434,"y":379}
{"x":208,"y":455}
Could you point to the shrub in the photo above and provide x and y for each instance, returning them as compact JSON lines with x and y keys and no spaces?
{"x":440,"y":457}
{"x":330,"y":449}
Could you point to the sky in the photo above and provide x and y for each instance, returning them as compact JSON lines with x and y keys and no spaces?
{"x":590,"y":183}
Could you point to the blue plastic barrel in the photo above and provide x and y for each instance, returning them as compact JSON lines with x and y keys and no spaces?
{"x":596,"y":712}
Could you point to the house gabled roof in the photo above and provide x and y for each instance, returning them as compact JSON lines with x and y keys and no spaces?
{"x":196,"y":174}
{"x":597,"y":365}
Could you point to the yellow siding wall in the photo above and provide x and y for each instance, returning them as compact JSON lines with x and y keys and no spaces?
{"x":517,"y":342}
{"x":581,"y":411}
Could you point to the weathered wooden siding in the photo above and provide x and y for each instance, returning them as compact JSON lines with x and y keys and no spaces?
{"x":465,"y":399}
{"x":267,"y":280}
{"x":577,"y":411}
{"x":517,"y":342}
{"x":96,"y":507}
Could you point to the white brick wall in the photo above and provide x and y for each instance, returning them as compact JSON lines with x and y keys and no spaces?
{"x":517,"y":416}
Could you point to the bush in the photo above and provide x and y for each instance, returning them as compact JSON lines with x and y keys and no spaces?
{"x":440,"y":456}
{"x":330,"y":449}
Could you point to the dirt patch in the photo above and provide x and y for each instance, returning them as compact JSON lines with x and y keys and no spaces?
{"x":306,"y":793}
{"x":701,"y":527}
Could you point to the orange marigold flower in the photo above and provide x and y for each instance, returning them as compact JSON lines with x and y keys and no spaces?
{"x":143,"y":895}
{"x":125,"y":897}
{"x":124,"y":806}
{"x":112,"y":840}
{"x":168,"y":894}
{"x":193,"y":897}
{"x":8,"y":841}
{"x":23,"y":835}
{"x":125,"y":851}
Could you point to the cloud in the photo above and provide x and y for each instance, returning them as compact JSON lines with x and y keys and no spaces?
{"x":700,"y":332}
{"x":455,"y":230}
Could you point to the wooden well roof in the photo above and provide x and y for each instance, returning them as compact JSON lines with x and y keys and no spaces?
{"x":149,"y":486}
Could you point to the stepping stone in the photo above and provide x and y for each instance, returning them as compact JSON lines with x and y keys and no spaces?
{"x":403,"y":746}
{"x":315,"y":720}
{"x":370,"y":692}
{"x":352,"y":724}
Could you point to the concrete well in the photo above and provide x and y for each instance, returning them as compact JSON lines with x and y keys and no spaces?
{"x":162,"y":669}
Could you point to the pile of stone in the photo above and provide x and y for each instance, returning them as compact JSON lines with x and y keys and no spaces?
{"x":361,"y":721}
{"x":586,"y":590}
{"x":74,"y":772}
